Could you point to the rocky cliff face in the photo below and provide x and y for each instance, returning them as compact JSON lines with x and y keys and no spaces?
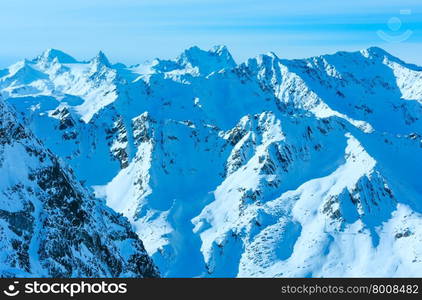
{"x":271,"y":167}
{"x":50,"y":225}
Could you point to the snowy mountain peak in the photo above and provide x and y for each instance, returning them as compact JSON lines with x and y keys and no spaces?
{"x":50,"y":54}
{"x":263,"y":60}
{"x":213,"y":60}
{"x":101,"y":59}
{"x":380,"y":54}
{"x":376,"y":52}
{"x":272,"y":55}
{"x":222,"y":51}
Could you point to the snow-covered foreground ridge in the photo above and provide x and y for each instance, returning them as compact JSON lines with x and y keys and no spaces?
{"x":271,"y":167}
{"x":50,"y":225}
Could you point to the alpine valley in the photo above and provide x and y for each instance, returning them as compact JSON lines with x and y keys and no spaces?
{"x":267,"y":168}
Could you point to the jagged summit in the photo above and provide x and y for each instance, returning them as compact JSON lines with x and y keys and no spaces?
{"x":379,"y":53}
{"x":50,"y":54}
{"x":262,"y":59}
{"x":101,"y":59}
{"x":222,"y":51}
{"x":215,"y":59}
{"x":373,"y":53}
{"x":376,"y":50}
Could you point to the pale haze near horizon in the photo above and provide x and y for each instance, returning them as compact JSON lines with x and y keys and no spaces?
{"x":134,"y":31}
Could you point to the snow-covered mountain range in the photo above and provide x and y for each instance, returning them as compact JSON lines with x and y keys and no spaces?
{"x":270,"y":167}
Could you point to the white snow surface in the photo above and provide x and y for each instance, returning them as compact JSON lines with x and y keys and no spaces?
{"x":267,"y":168}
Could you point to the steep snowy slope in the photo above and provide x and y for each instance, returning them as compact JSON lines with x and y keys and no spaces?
{"x":50,"y":226}
{"x":369,"y":85}
{"x":271,"y":167}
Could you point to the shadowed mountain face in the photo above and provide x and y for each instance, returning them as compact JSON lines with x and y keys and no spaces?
{"x":50,"y":225}
{"x":270,"y":167}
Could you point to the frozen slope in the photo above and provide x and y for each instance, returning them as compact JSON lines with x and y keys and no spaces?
{"x":271,"y":167}
{"x":50,"y":225}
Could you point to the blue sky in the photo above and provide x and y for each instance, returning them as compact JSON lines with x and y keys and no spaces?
{"x":133,"y":31}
